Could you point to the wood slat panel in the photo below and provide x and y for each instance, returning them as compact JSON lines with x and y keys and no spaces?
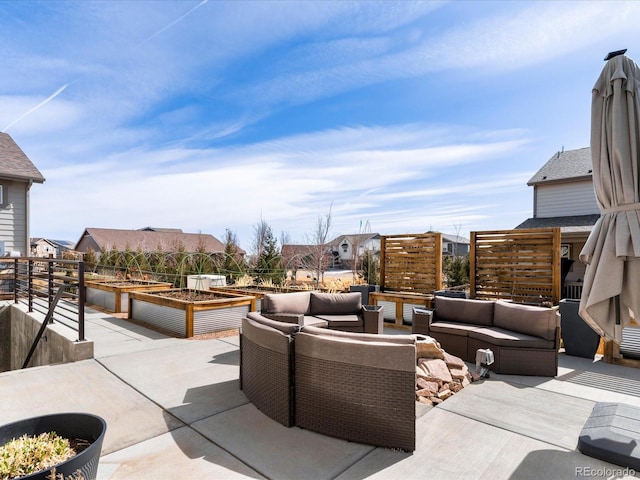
{"x":411,"y":263}
{"x":521,"y":265}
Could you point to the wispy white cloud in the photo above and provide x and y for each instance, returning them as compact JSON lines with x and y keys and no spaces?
{"x":288,"y":181}
{"x":177,"y":20}
{"x":33,"y":109}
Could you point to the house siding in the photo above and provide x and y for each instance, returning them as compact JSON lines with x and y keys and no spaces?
{"x":13,"y":228}
{"x":566,"y":199}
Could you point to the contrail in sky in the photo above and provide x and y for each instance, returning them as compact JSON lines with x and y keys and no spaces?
{"x":30,"y":111}
{"x":176,"y":20}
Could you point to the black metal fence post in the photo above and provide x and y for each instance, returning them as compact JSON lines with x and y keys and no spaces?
{"x":50,"y":279}
{"x":81,"y":295}
{"x":15,"y":281}
{"x":30,"y":283}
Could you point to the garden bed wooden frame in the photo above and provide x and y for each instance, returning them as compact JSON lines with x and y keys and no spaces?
{"x":187,"y":318}
{"x":113,"y":295}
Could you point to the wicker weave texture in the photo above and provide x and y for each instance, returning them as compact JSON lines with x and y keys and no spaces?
{"x":453,"y":344}
{"x":528,"y":361}
{"x":267,"y":381}
{"x":356,"y":403}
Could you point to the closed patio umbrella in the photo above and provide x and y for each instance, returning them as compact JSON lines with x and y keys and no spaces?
{"x":611,"y":290}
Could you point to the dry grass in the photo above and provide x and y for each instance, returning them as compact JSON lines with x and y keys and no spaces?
{"x":30,"y":454}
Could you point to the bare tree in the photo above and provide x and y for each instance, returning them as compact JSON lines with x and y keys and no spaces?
{"x":285,"y":238}
{"x":319,"y":257}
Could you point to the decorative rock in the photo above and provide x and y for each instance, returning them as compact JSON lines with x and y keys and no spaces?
{"x":453,"y":361}
{"x":430,"y":388}
{"x":437,"y":368}
{"x":428,"y":347}
{"x":444,"y":394}
{"x":439,"y":374}
{"x":459,"y":374}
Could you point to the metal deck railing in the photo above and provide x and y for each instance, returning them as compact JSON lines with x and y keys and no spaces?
{"x":35,"y":282}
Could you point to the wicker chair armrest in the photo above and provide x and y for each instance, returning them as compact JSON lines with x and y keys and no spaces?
{"x":296,"y":318}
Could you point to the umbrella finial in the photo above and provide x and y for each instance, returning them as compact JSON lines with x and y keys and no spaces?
{"x":610,"y":55}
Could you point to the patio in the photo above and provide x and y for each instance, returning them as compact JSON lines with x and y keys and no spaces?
{"x":174,"y":410}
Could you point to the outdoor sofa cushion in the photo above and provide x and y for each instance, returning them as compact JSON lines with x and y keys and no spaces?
{"x":509,"y":338}
{"x":460,"y":310}
{"x":461,"y":329}
{"x":335,"y":303}
{"x":362,"y":337}
{"x":295,"y":302}
{"x":531,"y":320}
{"x":352,"y":320}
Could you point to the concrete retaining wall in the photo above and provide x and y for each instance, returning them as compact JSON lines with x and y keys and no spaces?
{"x":58,"y":344}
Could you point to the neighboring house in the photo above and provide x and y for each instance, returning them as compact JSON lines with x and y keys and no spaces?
{"x":349,"y":249}
{"x":563,"y":196}
{"x":342,"y":252}
{"x":100,"y":240}
{"x":454,"y":245}
{"x":296,"y":257}
{"x":17,"y":174}
{"x":45,"y":247}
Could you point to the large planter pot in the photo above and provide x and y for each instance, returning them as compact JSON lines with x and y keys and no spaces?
{"x":186,"y":313}
{"x":113,"y":295}
{"x":364,"y":291}
{"x":70,"y":426}
{"x":578,"y":338}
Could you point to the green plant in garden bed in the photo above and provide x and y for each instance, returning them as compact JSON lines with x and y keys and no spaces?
{"x":31,"y":454}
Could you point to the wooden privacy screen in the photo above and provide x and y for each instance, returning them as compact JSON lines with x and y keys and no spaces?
{"x":520,"y":265}
{"x":411,"y":263}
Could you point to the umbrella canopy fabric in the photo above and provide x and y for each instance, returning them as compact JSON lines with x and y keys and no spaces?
{"x":612,"y":252}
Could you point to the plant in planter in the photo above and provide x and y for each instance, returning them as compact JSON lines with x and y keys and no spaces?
{"x":40,"y":447}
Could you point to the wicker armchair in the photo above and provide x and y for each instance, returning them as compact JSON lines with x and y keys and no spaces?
{"x":358,"y":387}
{"x":266,"y":366}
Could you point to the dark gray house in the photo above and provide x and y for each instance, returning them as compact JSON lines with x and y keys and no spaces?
{"x":17,"y":174}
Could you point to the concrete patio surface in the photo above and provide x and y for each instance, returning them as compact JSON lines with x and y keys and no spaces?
{"x":174,"y":409}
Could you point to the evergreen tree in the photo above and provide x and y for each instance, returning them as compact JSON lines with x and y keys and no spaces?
{"x":268,"y":266}
{"x":233,"y":264}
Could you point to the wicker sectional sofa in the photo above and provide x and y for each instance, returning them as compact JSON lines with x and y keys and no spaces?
{"x":355,"y":386}
{"x":337,"y":311}
{"x":524,"y":339}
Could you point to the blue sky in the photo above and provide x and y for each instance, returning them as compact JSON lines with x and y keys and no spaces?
{"x":207,"y":116}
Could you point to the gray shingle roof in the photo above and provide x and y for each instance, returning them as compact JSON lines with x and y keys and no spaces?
{"x":108,"y":238}
{"x":571,"y":164}
{"x":577,"y":223}
{"x":355,"y":238}
{"x":14,"y":163}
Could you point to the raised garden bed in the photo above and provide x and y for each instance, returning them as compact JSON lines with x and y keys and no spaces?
{"x":186,"y":313}
{"x":113,"y":295}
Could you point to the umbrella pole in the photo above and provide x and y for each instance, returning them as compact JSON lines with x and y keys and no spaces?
{"x":615,"y":346}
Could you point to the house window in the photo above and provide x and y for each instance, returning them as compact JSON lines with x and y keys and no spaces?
{"x":2,"y":194}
